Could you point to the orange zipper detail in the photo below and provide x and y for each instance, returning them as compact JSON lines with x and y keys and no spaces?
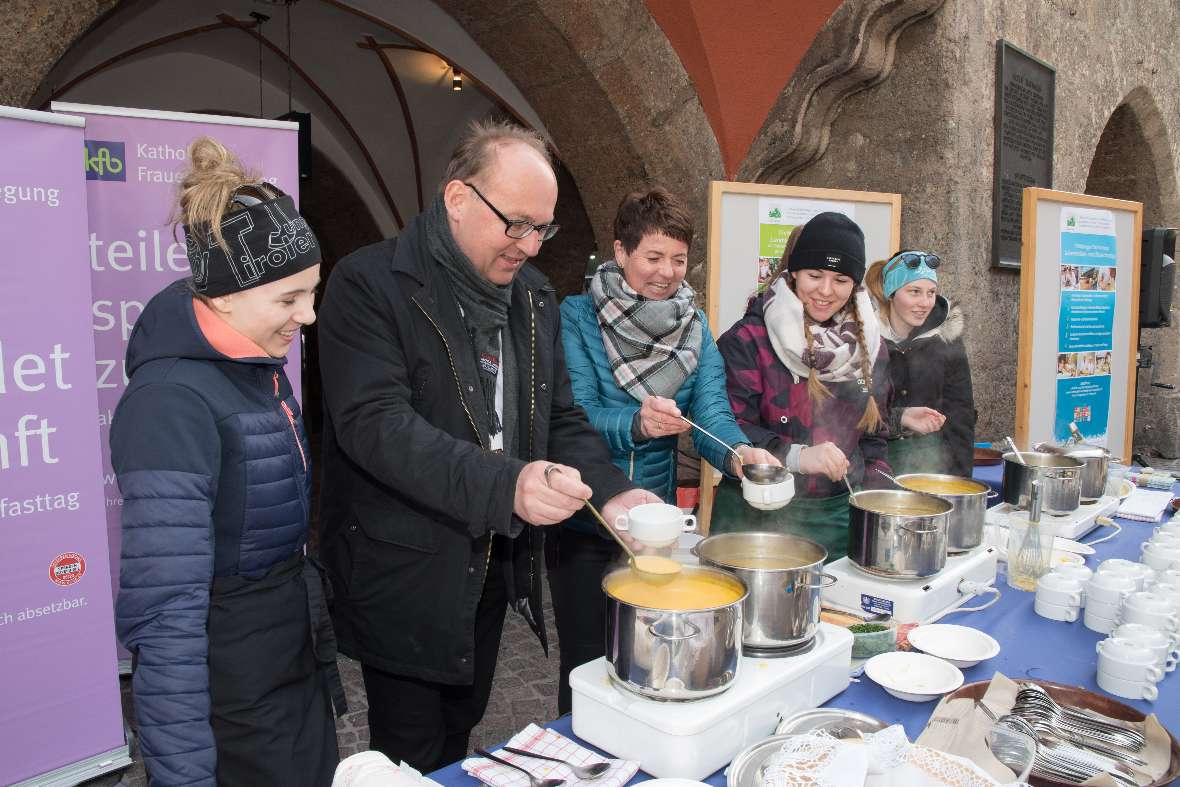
{"x":295,"y":432}
{"x":291,"y":420}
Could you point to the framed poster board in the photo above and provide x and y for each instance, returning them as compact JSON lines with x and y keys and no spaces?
{"x":1079,"y":311}
{"x":748,"y":228}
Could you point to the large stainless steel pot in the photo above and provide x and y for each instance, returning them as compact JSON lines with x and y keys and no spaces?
{"x":784,"y":574}
{"x":1095,"y":460}
{"x":674,"y":655}
{"x":1060,"y":477}
{"x":964,"y":529}
{"x":905,"y":545}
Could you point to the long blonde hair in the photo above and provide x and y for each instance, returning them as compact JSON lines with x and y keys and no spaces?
{"x":875,"y":284}
{"x":208,"y":185}
{"x":870,"y":419}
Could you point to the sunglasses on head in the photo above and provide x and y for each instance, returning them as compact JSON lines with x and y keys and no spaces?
{"x":912,"y":260}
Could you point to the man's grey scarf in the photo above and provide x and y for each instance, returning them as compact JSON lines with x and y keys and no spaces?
{"x":485,"y":314}
{"x":653,"y":346}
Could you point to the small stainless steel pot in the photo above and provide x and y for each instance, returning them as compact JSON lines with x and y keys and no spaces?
{"x":899,"y":545}
{"x":674,"y":655}
{"x":784,"y":574}
{"x":964,"y":529}
{"x":1060,"y":477}
{"x":1096,"y":461}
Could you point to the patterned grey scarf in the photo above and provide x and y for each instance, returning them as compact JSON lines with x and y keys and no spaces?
{"x":653,"y":346}
{"x":485,"y":314}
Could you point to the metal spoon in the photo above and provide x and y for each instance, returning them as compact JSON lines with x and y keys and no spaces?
{"x":584,"y":772}
{"x":533,"y":780}
{"x":656,"y":577}
{"x":1012,"y":445}
{"x":891,"y":478}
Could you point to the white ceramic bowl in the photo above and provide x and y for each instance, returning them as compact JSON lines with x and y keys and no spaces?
{"x":960,"y":645}
{"x":914,"y":677}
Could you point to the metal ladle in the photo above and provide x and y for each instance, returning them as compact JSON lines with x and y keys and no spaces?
{"x":654,"y":569}
{"x":757,"y":473}
{"x":1016,"y":451}
{"x":651,"y":568}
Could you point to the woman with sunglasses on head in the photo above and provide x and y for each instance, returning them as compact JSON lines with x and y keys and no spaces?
{"x":639,"y":354}
{"x":932,"y":416}
{"x":805,"y":370}
{"x":232,"y":649}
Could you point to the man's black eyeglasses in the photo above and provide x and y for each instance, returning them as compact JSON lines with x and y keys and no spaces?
{"x":518,"y":228}
{"x":912,"y":259}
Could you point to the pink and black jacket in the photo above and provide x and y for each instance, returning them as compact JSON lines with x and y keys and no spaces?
{"x":773,"y":407}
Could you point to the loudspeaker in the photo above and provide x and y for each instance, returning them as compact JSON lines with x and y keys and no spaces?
{"x":304,"y":121}
{"x":1157,"y":277}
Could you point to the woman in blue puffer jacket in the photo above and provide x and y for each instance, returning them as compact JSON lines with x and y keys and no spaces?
{"x":233,"y":652}
{"x":639,"y":354}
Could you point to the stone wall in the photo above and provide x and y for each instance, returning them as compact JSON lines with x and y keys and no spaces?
{"x":927,"y":133}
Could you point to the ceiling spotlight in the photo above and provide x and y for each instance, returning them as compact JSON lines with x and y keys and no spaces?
{"x":456,"y":80}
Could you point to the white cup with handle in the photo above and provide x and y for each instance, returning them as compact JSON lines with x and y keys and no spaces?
{"x":1160,"y":555}
{"x":1128,"y":689}
{"x":1166,"y":537}
{"x":1171,"y":526}
{"x":1137,"y":572}
{"x":1150,"y":610}
{"x":1109,"y":588}
{"x":655,"y":525}
{"x":1067,"y":613}
{"x":1127,"y":660}
{"x":1160,"y":644}
{"x":1096,"y":620}
{"x":1059,"y":589}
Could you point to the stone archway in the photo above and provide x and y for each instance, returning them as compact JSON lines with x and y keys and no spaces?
{"x":604,"y":79}
{"x":1133,"y":160}
{"x":613,"y":94}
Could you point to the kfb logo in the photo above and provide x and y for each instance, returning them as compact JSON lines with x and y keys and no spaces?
{"x":104,"y":160}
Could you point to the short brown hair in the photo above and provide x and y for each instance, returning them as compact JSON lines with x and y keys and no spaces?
{"x":652,"y":210}
{"x":473,"y":155}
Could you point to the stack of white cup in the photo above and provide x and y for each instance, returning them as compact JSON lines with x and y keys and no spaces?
{"x":1162,"y":551}
{"x":1105,"y":593}
{"x":1129,"y":668}
{"x":1059,"y":596}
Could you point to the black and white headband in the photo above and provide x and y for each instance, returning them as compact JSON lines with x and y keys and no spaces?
{"x":267,"y":239}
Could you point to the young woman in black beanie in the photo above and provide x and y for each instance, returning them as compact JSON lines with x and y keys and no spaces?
{"x":233,"y":653}
{"x":807,"y":379}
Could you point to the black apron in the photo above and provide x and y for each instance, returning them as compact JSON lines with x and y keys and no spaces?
{"x":820,"y":519}
{"x":273,"y":679}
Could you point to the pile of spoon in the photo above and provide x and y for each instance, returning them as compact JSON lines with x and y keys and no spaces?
{"x":1075,"y":744}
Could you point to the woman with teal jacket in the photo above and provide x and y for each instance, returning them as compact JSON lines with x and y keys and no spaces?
{"x":639,"y":354}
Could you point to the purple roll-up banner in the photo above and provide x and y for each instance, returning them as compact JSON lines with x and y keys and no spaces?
{"x":60,"y":713}
{"x":134,"y":160}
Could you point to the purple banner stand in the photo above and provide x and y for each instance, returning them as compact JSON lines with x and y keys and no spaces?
{"x":60,"y":719}
{"x":134,"y":159}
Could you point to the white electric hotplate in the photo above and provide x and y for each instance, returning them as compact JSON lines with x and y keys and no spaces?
{"x":1072,"y":525}
{"x":696,"y":738}
{"x":965,"y":577}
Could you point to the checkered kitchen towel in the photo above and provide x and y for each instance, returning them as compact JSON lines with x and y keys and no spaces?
{"x":535,"y":739}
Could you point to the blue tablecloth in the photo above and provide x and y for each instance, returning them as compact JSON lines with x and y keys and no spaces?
{"x":1031,"y":647}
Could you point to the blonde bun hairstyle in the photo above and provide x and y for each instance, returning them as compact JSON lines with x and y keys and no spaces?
{"x":208,"y":185}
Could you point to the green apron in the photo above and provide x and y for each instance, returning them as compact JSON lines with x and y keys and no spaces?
{"x":920,"y":454}
{"x":820,"y":519}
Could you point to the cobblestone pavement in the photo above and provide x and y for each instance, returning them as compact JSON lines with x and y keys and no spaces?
{"x":525,"y":690}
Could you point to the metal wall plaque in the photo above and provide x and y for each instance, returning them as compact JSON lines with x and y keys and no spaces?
{"x":1025,"y":92}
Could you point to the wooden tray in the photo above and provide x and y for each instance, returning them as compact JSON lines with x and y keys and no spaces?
{"x":1079,"y":698}
{"x":987,"y":456}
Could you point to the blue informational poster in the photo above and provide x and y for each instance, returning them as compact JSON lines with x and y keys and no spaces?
{"x":1085,"y":330}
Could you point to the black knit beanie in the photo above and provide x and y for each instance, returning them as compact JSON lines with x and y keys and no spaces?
{"x":830,"y":242}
